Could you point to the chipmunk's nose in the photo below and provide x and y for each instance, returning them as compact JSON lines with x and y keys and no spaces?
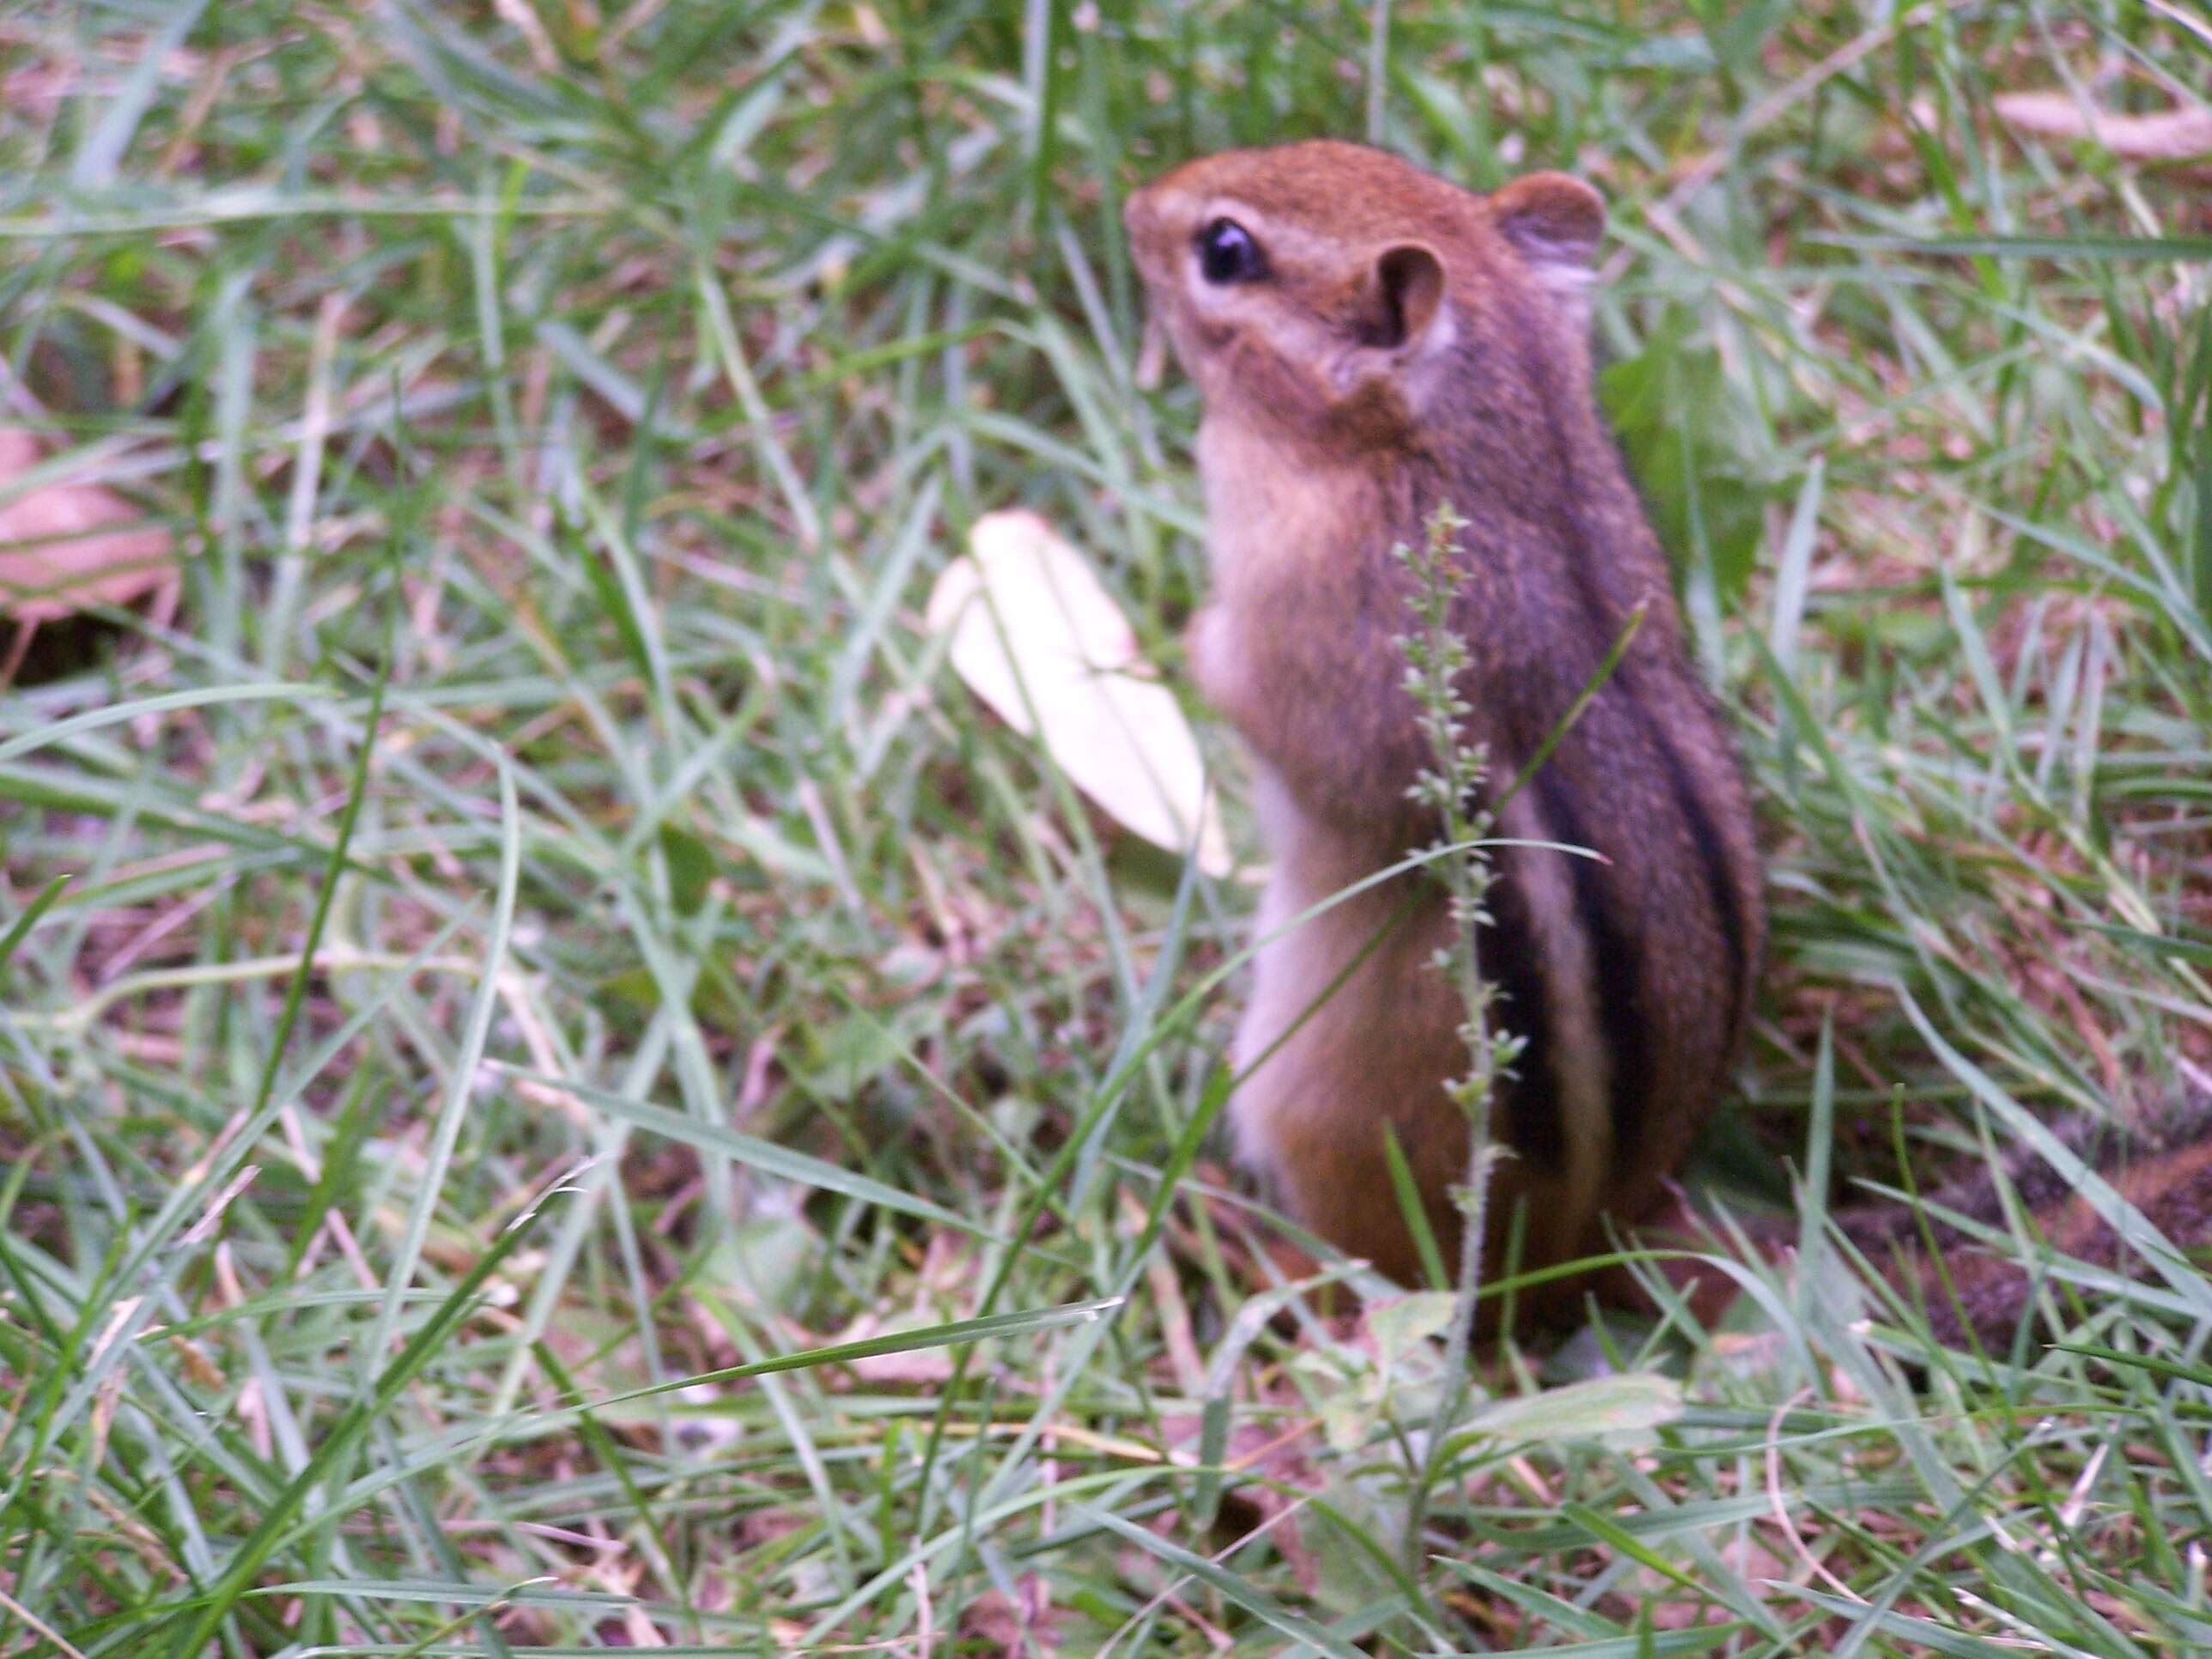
{"x":1151,"y":366}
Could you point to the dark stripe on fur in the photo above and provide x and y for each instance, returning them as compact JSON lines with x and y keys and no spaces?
{"x":1615,"y":951}
{"x":1616,"y":959}
{"x":1508,"y":952}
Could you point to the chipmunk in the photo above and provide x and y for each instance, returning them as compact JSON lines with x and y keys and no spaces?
{"x":1371,"y":341}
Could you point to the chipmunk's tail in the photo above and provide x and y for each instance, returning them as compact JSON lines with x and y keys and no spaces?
{"x":1948,"y":1250}
{"x":1961,"y":1273}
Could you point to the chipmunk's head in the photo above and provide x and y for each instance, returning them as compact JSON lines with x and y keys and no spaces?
{"x":1334,"y":292}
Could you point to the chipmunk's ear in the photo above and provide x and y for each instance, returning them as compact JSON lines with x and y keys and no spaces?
{"x":1398,"y":313}
{"x":1554,"y":222}
{"x":1552,"y":218}
{"x":1404,"y":293}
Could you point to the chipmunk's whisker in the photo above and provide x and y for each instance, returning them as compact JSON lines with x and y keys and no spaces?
{"x":1151,"y":353}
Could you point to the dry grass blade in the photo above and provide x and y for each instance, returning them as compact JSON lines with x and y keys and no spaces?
{"x":2170,"y":135}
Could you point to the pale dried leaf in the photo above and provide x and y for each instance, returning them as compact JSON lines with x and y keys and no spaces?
{"x":2167,"y":136}
{"x":66,"y":545}
{"x":1033,"y":629}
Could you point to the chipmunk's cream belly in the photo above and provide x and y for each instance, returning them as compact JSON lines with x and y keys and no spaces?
{"x":1337,"y":1051}
{"x":1332,"y":1062}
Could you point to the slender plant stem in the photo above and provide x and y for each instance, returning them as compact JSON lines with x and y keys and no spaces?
{"x":1436,"y":657}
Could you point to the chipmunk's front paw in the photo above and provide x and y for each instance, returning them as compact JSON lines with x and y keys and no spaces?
{"x":1209,"y":644}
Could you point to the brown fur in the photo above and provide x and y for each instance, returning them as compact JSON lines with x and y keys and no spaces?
{"x":1975,"y":1287}
{"x":1965,"y":1284}
{"x":1326,"y":439}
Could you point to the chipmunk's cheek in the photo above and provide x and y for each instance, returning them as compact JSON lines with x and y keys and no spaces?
{"x":1170,"y":333}
{"x":1207,"y":352}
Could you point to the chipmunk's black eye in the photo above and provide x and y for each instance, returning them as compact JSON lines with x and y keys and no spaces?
{"x":1227,"y":253}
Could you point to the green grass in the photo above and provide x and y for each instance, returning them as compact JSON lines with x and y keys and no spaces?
{"x":563,"y":1015}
